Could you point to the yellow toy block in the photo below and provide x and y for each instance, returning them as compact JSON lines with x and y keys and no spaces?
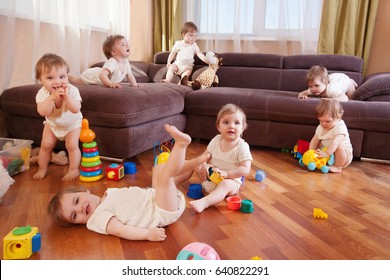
{"x":256,"y":258}
{"x":21,"y":243}
{"x":216,"y":178}
{"x":318,"y":213}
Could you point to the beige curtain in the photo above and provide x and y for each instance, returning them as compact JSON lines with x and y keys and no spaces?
{"x":167,"y":24}
{"x":347,"y":27}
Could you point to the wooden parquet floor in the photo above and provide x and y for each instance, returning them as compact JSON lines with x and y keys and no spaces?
{"x":281,"y":227}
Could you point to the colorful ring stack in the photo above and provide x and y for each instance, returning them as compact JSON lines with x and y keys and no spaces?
{"x":91,"y":167}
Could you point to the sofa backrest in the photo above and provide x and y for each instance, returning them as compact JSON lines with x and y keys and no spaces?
{"x":269,"y":71}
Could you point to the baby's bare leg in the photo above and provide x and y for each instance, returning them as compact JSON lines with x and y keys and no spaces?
{"x":47,"y":144}
{"x":166,"y":191}
{"x":224,"y":188}
{"x":341,"y":159}
{"x":72,"y":146}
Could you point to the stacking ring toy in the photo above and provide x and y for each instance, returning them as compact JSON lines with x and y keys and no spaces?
{"x":90,"y":159}
{"x":89,"y":144}
{"x":91,"y":174}
{"x":90,"y":150}
{"x":91,"y":179}
{"x":91,"y":169}
{"x":91,"y":164}
{"x":90,"y":154}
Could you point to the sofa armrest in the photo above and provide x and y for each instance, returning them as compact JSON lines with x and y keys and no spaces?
{"x":374,"y":85}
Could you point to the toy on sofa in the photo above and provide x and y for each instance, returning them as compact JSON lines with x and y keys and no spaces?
{"x":91,"y":166}
{"x":198,"y":251}
{"x":208,"y":78}
{"x":313,"y":161}
{"x":21,"y":243}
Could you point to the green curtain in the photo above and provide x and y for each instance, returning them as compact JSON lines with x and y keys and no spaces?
{"x":167,"y":24}
{"x":347,"y":27}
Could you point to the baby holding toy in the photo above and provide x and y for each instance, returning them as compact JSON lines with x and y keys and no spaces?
{"x":183,"y":52}
{"x":132,"y":213}
{"x":115,"y":69}
{"x":60,"y":103}
{"x":230,"y":157}
{"x":332,"y":133}
{"x":322,"y":84}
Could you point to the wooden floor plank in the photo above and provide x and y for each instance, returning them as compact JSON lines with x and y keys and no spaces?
{"x":282,"y":225}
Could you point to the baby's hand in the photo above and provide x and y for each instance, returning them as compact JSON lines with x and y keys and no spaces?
{"x":156,"y":234}
{"x":115,"y":85}
{"x":138,"y":86}
{"x":321,"y":153}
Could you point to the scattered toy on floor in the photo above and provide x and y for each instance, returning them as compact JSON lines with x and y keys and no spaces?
{"x":260,"y":175}
{"x":59,"y":158}
{"x":319,"y":214}
{"x":313,"y":161}
{"x":198,"y":251}
{"x":91,"y":165}
{"x":21,"y":243}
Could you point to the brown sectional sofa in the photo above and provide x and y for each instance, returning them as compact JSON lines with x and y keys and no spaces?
{"x":129,"y":121}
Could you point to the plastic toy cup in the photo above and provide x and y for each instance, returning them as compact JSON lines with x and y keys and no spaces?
{"x":130,"y":168}
{"x":195,"y":191}
{"x":247,"y":206}
{"x":233,"y":202}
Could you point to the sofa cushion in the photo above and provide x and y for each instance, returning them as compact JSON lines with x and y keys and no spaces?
{"x":376,"y":85}
{"x":116,"y":108}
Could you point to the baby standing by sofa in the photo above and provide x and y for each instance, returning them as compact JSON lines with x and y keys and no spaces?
{"x":183,"y":52}
{"x":332,"y":133}
{"x":335,"y":85}
{"x":230,"y":157}
{"x":60,"y":103}
{"x":132,"y":213}
{"x":115,"y":69}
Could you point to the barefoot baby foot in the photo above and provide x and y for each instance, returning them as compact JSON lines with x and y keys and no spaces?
{"x":180,"y":137}
{"x":72,"y":174}
{"x":40,"y":174}
{"x":199,"y":205}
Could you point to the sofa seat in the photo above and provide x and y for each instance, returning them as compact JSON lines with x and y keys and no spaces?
{"x":120,"y":118}
{"x":130,"y":120}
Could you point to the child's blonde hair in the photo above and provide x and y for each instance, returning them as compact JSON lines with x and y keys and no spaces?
{"x":231,"y":109}
{"x":330,"y":106}
{"x":47,"y":62}
{"x":108,"y":44}
{"x":55,"y":205}
{"x":189,"y":26}
{"x":318,"y":72}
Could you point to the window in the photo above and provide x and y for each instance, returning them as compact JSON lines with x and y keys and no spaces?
{"x":265,"y":19}
{"x":85,"y":13}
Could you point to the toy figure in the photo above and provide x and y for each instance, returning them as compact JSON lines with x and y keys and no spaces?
{"x":208,"y":78}
{"x":311,"y":159}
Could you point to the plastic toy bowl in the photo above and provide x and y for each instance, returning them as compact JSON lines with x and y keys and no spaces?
{"x":234,"y":202}
{"x":195,"y":191}
{"x":247,"y":206}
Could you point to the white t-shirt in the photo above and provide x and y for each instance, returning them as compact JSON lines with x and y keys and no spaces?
{"x":338,"y":85}
{"x":62,"y":118}
{"x":91,"y":75}
{"x":326,"y":137}
{"x":133,"y":206}
{"x":185,"y":54}
{"x":231,"y":159}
